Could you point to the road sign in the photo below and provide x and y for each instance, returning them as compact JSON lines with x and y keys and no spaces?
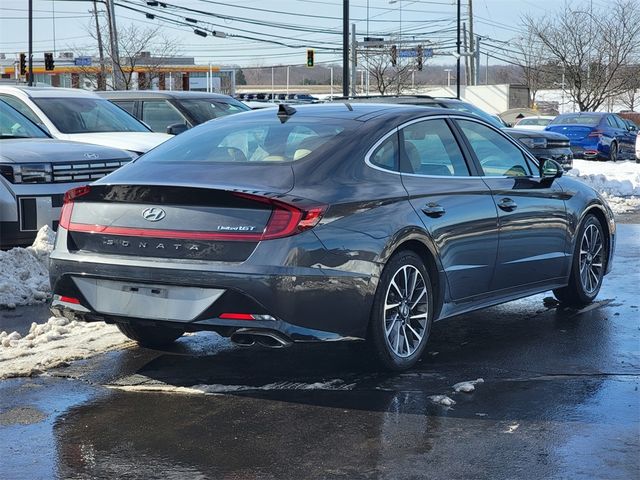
{"x":407,"y":53}
{"x":372,"y":42}
{"x":427,"y":53}
{"x":82,"y":61}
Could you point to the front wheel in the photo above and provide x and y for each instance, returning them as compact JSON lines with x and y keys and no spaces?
{"x":588,"y":265}
{"x":150,"y":336}
{"x":402,"y":312}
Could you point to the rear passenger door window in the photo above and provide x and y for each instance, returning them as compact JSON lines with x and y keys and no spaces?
{"x":497,"y":156}
{"x":385,"y":156}
{"x":159,"y":114}
{"x":430,"y":148}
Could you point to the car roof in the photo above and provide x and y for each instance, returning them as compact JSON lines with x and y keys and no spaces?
{"x":47,"y":92}
{"x":346,"y":110}
{"x":133,"y":94}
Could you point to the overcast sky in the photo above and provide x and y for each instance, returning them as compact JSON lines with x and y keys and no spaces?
{"x":293,"y":26}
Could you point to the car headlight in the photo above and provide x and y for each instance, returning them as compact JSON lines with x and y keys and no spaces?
{"x":27,"y":172}
{"x":534,"y":142}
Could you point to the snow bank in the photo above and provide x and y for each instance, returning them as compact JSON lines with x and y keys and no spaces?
{"x":24,"y":273}
{"x":618,"y":182}
{"x":467,"y":387}
{"x":442,"y":400}
{"x":54,"y":343}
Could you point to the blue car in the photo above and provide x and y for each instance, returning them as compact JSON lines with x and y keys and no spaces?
{"x":596,"y":136}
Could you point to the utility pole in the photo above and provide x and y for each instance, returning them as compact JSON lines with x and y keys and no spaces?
{"x":345,"y":48}
{"x":115,"y":54}
{"x":472,"y":73}
{"x":30,"y":43}
{"x":354,"y":61}
{"x":102,"y":76}
{"x":476,"y":78}
{"x":466,"y":57}
{"x":458,"y":44}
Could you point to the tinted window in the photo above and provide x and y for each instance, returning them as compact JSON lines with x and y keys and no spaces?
{"x":159,"y":114}
{"x":431,"y":149}
{"x":619,"y":122}
{"x":264,"y":139}
{"x":127,"y":105}
{"x":13,"y":124}
{"x":576,"y":118}
{"x":612,"y":121}
{"x":386,"y":155}
{"x":203,"y":109}
{"x":21,"y":107}
{"x":87,"y":115}
{"x":496,"y":154}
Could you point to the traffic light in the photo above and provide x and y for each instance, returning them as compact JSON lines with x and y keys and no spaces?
{"x":48,"y":61}
{"x":394,"y":55}
{"x":23,"y":64}
{"x":419,"y":57}
{"x":310,"y":54}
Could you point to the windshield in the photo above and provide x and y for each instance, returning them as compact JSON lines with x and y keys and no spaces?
{"x":541,"y":122}
{"x":15,"y":125}
{"x":252,"y":140}
{"x":88,"y":115}
{"x":576,"y":119}
{"x":204,"y":109}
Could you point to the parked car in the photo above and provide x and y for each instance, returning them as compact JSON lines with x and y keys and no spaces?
{"x":595,"y":135}
{"x":81,"y":116}
{"x":174,"y":112}
{"x":543,"y":145}
{"x":637,"y":148}
{"x":327,"y":222}
{"x":36,"y":171}
{"x":534,"y":123}
{"x":253,"y":105}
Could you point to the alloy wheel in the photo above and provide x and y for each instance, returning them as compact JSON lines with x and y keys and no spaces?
{"x":591,"y":259}
{"x":406,"y":311}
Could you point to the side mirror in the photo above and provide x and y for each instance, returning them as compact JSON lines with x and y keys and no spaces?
{"x":633,"y":128}
{"x":550,"y":170}
{"x":177,"y":128}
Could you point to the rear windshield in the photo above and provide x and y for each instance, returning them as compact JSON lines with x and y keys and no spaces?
{"x":88,"y":115}
{"x":251,"y":140}
{"x":204,"y":109}
{"x":576,"y":119}
{"x":541,"y":122}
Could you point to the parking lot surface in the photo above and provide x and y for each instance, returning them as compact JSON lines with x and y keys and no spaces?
{"x":559,"y":399}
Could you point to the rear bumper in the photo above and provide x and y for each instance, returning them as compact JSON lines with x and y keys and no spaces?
{"x":305,"y":304}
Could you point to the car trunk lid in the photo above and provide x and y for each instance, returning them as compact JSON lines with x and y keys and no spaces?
{"x":573,"y":132}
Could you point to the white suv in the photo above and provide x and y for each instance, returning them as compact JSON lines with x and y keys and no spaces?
{"x":638,"y":148}
{"x":81,"y":116}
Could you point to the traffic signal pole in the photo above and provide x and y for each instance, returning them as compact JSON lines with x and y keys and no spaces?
{"x":30,"y":59}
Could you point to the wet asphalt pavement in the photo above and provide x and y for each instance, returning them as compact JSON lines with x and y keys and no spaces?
{"x":560,"y":399}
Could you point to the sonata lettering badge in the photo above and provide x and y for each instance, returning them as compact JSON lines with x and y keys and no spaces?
{"x":153,"y":214}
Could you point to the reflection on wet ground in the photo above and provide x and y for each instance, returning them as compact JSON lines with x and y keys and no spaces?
{"x":559,"y":400}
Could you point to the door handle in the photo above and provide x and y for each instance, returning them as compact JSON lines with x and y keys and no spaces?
{"x":433,"y":210}
{"x":507,"y":205}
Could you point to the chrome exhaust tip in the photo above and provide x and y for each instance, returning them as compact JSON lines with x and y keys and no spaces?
{"x":247,"y":338}
{"x":243,"y":340}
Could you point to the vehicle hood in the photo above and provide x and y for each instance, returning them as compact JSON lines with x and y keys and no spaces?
{"x":40,"y":150}
{"x":521,"y":133}
{"x":140,"y":142}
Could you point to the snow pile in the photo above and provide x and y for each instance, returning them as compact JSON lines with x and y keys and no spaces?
{"x":467,"y":387}
{"x":442,"y":400}
{"x":24,"y":273}
{"x":618,"y":182}
{"x":54,"y":343}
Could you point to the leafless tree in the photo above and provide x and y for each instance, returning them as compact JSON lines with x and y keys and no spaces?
{"x":387,"y":77}
{"x":593,"y":48}
{"x":631,"y":98}
{"x":144,"y":51}
{"x":535,"y":70}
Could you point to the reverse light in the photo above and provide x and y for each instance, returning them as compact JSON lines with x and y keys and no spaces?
{"x":67,"y":204}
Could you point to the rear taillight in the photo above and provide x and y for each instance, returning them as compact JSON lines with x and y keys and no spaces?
{"x":596,"y":133}
{"x":67,"y":205}
{"x":287,"y":219}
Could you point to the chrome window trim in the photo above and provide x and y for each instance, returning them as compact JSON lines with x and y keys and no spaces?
{"x":367,"y":158}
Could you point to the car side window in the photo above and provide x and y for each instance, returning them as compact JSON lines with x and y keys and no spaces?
{"x":430,"y":148}
{"x":498,"y":156}
{"x":619,"y":122}
{"x":386,"y":155}
{"x":127,"y":105}
{"x":159,"y":114}
{"x":612,"y":121}
{"x":22,"y":108}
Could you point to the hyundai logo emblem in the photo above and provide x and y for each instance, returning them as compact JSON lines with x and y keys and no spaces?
{"x":153,"y":214}
{"x":91,"y":156}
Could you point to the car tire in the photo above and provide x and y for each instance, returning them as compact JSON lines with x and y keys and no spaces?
{"x":613,"y":152}
{"x":587,"y":267}
{"x":402,"y":312}
{"x":150,"y":336}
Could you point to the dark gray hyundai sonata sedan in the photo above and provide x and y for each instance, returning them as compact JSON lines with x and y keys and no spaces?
{"x":326,"y":223}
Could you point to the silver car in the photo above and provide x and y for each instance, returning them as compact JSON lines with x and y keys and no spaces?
{"x":36,"y":171}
